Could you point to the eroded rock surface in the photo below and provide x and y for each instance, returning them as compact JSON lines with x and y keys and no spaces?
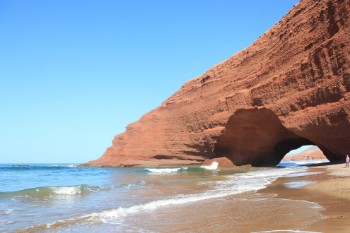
{"x":289,"y":88}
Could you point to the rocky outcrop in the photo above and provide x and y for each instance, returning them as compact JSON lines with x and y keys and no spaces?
{"x":289,"y":88}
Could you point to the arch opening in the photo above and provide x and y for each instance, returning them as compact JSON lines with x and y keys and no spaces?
{"x":257,"y":137}
{"x":301,"y":150}
{"x":310,"y":154}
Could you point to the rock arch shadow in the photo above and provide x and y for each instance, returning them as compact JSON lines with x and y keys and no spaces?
{"x":256,"y":137}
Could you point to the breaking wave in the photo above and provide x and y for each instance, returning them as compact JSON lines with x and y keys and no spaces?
{"x":165,"y":170}
{"x":74,"y":190}
{"x":27,"y":167}
{"x":42,"y":192}
{"x":162,"y":171}
{"x":212,"y":166}
{"x":234,"y":184}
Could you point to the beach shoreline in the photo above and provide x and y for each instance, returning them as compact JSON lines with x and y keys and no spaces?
{"x":326,"y":185}
{"x":183,"y":199}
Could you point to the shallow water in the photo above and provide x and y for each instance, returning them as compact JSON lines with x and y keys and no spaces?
{"x":67,"y":198}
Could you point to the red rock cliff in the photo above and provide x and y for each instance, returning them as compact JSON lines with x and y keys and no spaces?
{"x":289,"y":88}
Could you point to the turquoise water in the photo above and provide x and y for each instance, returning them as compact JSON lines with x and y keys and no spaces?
{"x":69,"y":198}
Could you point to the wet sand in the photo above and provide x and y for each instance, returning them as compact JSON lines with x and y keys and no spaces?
{"x":330,"y":188}
{"x":277,"y":208}
{"x":333,"y":191}
{"x":240,"y":213}
{"x":313,"y":200}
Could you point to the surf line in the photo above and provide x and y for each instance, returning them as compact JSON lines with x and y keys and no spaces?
{"x":238,"y":183}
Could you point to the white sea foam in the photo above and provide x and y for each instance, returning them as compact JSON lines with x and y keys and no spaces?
{"x":161,"y":171}
{"x":298,"y":184}
{"x":301,"y":174}
{"x":63,"y":165}
{"x":300,"y":163}
{"x":313,"y":205}
{"x":272,"y":173}
{"x":66,"y":190}
{"x":212,"y":166}
{"x":9,"y":211}
{"x":234,"y":184}
{"x":309,"y":162}
{"x":70,"y":190}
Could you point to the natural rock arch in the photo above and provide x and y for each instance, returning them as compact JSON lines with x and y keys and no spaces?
{"x":290,"y":88}
{"x":257,"y":137}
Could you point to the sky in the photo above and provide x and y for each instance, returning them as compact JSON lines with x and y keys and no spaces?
{"x":73,"y":74}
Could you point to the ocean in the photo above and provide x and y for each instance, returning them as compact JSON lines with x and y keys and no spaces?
{"x":70,"y":198}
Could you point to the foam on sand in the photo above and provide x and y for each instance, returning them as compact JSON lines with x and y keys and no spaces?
{"x":298,"y":184}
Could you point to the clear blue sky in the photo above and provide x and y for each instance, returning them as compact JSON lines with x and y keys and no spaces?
{"x":74,"y":73}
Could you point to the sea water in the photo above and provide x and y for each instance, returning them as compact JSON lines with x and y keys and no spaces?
{"x":70,"y":198}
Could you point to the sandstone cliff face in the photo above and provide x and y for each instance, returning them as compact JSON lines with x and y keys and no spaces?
{"x":289,"y":88}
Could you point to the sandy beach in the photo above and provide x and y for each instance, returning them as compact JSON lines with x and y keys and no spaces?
{"x":334,"y":182}
{"x":328,"y":186}
{"x":333,"y":189}
{"x":183,"y":199}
